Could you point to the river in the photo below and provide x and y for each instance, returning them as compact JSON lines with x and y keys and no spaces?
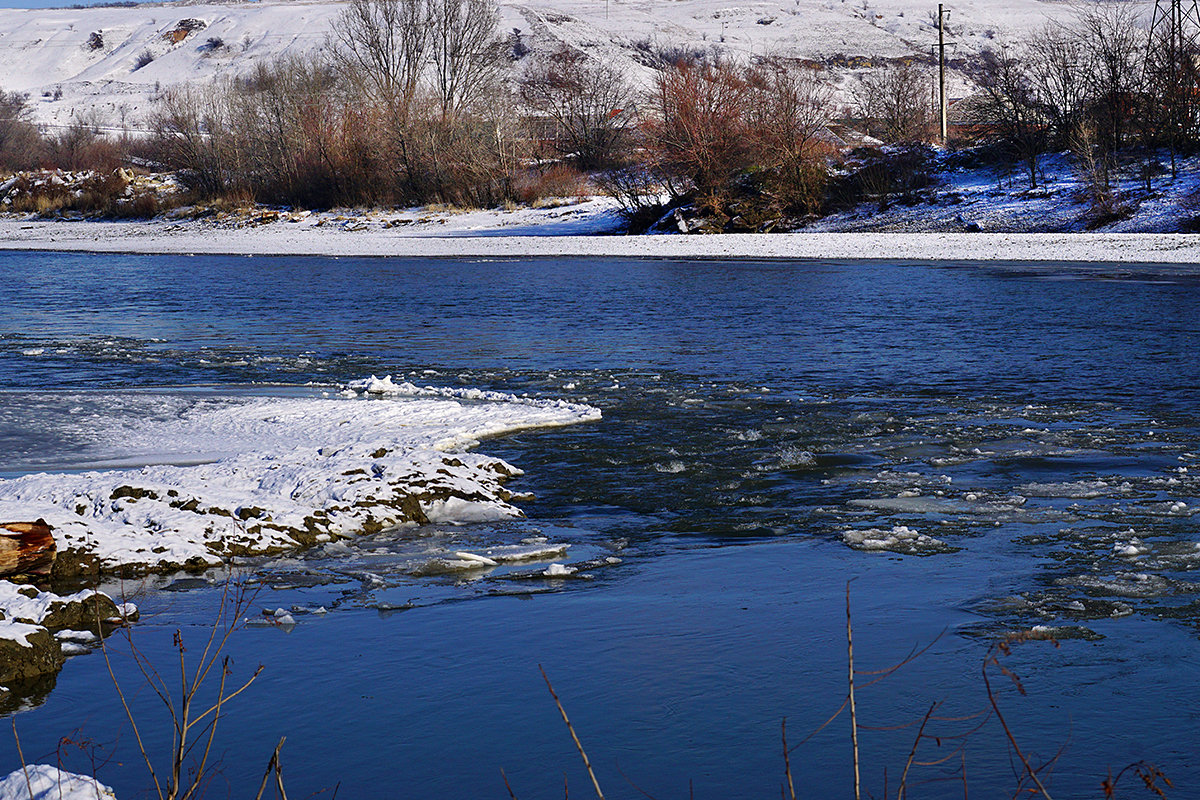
{"x":969,"y":450}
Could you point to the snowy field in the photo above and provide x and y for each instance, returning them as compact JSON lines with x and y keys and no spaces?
{"x":75,"y":62}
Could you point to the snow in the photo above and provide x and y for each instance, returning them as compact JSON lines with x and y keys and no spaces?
{"x":51,"y":783}
{"x":16,"y":603}
{"x":251,"y":474}
{"x":458,"y":511}
{"x":481,"y":560}
{"x":167,"y":237}
{"x":18,"y":631}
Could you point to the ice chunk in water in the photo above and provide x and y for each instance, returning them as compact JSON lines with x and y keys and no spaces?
{"x":900,"y":539}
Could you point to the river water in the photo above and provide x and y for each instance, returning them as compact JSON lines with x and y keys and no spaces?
{"x":971,"y":449}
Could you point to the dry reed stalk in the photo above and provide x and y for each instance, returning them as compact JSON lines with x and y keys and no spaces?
{"x":787,"y":762}
{"x":508,"y":785}
{"x":853,"y":712}
{"x":21,"y":757}
{"x":902,"y":791}
{"x":571,"y":728}
{"x":993,"y":659}
{"x":273,"y":766}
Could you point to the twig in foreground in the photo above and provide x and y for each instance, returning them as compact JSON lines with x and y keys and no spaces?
{"x":571,"y":728}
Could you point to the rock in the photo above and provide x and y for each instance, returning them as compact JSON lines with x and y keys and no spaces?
{"x":26,"y":548}
{"x":85,"y":614}
{"x":83,"y":611}
{"x":26,"y":652}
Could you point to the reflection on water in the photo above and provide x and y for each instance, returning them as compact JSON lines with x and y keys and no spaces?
{"x":982,"y":449}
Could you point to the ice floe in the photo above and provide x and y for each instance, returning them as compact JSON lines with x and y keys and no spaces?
{"x":900,"y":539}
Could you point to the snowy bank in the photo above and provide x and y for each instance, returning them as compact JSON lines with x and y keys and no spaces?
{"x":44,"y":782}
{"x":281,"y":238}
{"x":212,"y":478}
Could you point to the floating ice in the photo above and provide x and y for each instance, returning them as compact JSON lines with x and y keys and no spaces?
{"x":559,"y":571}
{"x":900,"y":539}
{"x":483,"y":561}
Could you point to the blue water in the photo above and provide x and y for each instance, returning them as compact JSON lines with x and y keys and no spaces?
{"x":1027,"y":416}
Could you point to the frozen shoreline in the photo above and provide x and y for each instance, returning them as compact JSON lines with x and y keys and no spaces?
{"x":258,"y":475}
{"x":280,"y":238}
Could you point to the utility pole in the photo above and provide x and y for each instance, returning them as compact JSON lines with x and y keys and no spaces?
{"x":1175,"y":26}
{"x":942,"y":100}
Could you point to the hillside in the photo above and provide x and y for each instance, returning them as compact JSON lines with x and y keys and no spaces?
{"x":82,"y":61}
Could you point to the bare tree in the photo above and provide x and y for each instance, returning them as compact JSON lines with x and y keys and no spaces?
{"x":381,"y":45}
{"x":895,"y":102}
{"x":1008,"y":112}
{"x":590,"y":103}
{"x":789,"y":121}
{"x":1059,"y":62}
{"x":1172,"y":82}
{"x":467,"y":51}
{"x":1113,"y":40}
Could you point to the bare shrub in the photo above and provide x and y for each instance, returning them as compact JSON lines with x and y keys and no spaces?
{"x":639,"y":190}
{"x":699,"y":137}
{"x":1008,"y":114}
{"x":560,"y":180}
{"x":143,"y":59}
{"x":590,"y":103}
{"x":83,"y":145}
{"x":21,"y":144}
{"x":895,"y":103}
{"x":665,"y":55}
{"x":788,"y":120}
{"x":748,"y":145}
{"x":1104,"y":205}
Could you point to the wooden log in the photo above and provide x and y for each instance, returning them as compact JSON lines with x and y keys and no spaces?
{"x":26,"y":548}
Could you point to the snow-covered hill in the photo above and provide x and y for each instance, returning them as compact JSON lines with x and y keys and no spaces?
{"x":112,"y":61}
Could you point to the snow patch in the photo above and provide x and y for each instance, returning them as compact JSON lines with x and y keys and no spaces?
{"x":51,"y":783}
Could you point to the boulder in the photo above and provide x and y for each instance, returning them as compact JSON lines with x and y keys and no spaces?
{"x":27,"y":651}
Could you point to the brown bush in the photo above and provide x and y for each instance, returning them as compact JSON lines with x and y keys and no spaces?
{"x":700,"y":130}
{"x":559,"y":180}
{"x":21,"y":144}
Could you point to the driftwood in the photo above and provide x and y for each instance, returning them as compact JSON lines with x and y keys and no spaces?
{"x":26,"y":548}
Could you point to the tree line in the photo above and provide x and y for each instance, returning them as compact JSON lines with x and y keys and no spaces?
{"x":414,"y":102}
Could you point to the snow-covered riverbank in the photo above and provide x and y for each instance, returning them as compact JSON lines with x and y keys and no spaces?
{"x":196,"y":480}
{"x":449,"y":240}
